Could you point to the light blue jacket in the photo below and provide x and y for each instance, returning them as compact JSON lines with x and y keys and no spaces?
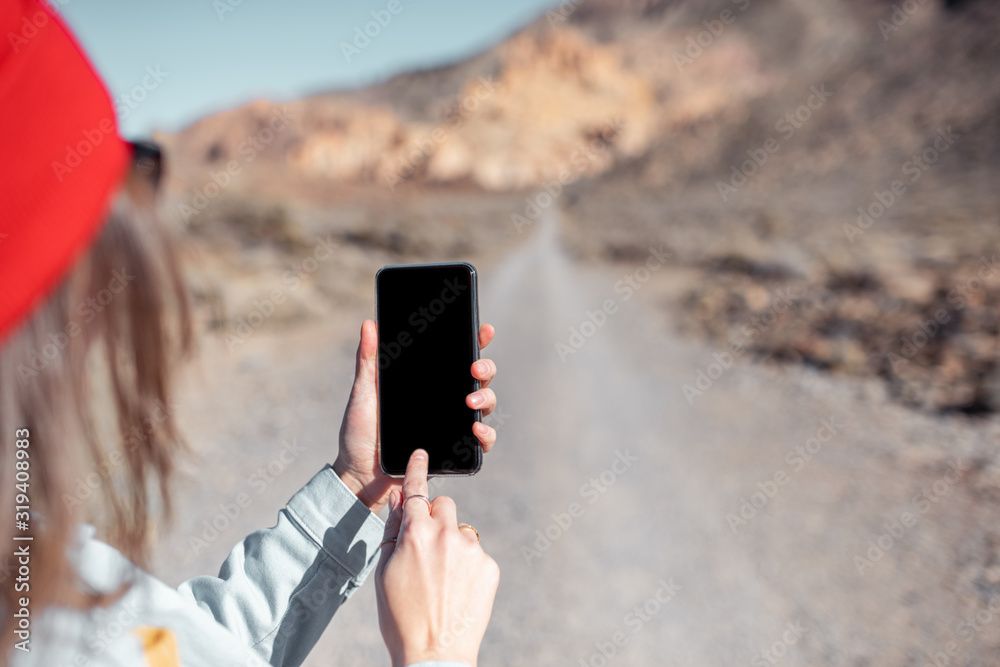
{"x":273,"y":598}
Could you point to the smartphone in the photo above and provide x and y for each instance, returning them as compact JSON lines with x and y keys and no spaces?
{"x":428,"y":338}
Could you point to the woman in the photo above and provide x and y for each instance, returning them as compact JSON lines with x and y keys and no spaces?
{"x":92,"y":317}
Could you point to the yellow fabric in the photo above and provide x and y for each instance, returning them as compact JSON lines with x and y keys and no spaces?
{"x":159,"y":646}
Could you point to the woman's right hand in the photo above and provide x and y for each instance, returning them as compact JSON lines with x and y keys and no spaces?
{"x":435,"y":584}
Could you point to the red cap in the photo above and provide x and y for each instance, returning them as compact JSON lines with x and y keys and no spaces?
{"x":61,"y":157}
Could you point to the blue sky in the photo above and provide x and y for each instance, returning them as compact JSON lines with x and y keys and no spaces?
{"x":210,"y":55}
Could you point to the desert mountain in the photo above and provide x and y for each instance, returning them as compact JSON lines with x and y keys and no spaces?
{"x":757,"y":139}
{"x":687,"y":85}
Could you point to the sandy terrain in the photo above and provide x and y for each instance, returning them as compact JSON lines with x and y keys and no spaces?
{"x":655,"y":482}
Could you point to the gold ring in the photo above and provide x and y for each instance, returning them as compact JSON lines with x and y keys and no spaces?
{"x":385,"y":542}
{"x":423,"y":498}
{"x":465,"y":526}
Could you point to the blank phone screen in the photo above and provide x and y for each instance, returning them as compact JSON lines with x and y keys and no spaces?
{"x":427,"y":343}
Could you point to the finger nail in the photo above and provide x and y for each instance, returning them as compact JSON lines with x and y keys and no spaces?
{"x":477,"y":399}
{"x":482,"y":367}
{"x":481,"y":428}
{"x":420,"y":455}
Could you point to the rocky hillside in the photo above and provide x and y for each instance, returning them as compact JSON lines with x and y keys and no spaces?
{"x":553,"y":98}
{"x":758,"y":139}
{"x":680,"y":84}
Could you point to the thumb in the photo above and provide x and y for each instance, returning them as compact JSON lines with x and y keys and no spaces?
{"x":365,"y":363}
{"x":392,"y":524}
{"x":359,"y":415}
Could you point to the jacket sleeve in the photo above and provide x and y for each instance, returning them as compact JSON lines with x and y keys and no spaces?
{"x":279,"y":587}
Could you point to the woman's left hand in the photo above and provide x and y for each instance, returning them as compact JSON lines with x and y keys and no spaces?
{"x":357,"y":461}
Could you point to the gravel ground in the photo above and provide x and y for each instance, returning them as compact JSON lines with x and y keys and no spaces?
{"x":867,"y":536}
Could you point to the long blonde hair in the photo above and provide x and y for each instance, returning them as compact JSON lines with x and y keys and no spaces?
{"x":87,"y":378}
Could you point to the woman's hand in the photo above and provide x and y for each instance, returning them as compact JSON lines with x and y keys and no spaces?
{"x":357,"y":461}
{"x":435,"y":584}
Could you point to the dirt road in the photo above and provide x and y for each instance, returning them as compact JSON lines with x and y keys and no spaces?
{"x":780,"y":516}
